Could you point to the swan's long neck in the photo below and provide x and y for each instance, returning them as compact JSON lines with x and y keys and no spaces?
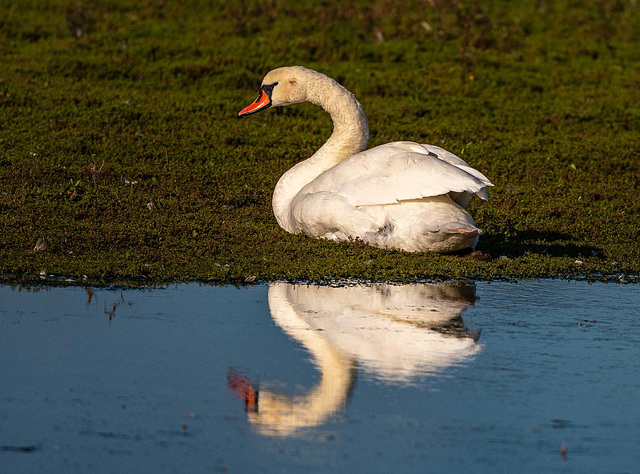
{"x":350,"y":136}
{"x":282,"y":415}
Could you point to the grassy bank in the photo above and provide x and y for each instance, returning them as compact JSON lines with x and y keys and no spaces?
{"x":121,"y":156}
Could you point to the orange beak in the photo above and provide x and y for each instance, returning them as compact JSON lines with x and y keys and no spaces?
{"x":262,"y":102}
{"x":244,"y":388}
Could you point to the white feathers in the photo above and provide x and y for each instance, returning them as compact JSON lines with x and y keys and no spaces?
{"x":398,"y":171}
{"x":401,"y":195}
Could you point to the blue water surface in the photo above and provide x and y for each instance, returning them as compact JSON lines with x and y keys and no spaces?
{"x":538,"y":376}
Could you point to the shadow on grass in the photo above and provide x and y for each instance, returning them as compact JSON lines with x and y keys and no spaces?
{"x":555,"y":244}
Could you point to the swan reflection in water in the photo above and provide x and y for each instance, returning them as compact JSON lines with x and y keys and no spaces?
{"x":393,"y":333}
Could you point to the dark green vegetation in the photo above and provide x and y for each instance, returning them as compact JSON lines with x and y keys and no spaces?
{"x":121,"y":156}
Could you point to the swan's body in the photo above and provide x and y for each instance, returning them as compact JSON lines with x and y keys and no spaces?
{"x":400,"y":195}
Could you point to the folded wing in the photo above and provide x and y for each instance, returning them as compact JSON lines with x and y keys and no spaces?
{"x":401,"y":171}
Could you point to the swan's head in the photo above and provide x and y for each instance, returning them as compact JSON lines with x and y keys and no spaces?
{"x":282,"y":86}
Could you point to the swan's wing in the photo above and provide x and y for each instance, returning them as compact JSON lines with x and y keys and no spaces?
{"x":396,"y":172}
{"x":454,"y":160}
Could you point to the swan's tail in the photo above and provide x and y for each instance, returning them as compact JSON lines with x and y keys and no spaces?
{"x":453,"y":237}
{"x":460,"y":228}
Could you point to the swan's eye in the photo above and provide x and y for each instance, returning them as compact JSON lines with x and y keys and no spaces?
{"x":268,"y":89}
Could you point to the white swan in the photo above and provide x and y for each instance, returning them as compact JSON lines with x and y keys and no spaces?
{"x":396,"y":334}
{"x":400,"y":195}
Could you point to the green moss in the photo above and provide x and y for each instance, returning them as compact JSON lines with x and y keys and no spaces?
{"x":120,"y":151}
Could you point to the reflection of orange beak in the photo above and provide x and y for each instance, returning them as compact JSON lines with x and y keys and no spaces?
{"x":251,"y":400}
{"x":262,"y":102}
{"x":243,"y":387}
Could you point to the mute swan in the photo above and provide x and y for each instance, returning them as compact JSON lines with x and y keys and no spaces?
{"x":401,"y":195}
{"x":392,"y":333}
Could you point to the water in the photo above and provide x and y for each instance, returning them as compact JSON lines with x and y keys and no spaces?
{"x":540,"y":376}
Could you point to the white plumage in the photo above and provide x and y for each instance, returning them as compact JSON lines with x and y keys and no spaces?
{"x":385,"y":331}
{"x":401,"y":195}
